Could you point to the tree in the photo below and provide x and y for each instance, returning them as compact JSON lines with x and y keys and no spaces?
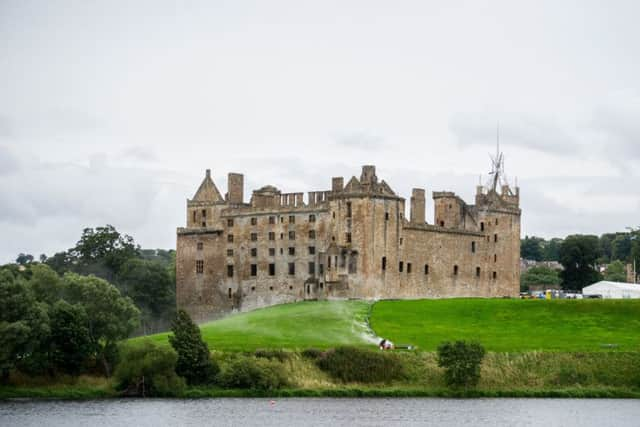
{"x":461,"y":362}
{"x":606,"y":241}
{"x":539,"y":275}
{"x":194,"y":363}
{"x":616,"y":272}
{"x":551,"y":250}
{"x":147,"y":369}
{"x":45,"y":284}
{"x":111,"y":316}
{"x":23,"y":259}
{"x":621,"y":247}
{"x":24,"y":323}
{"x":531,"y":248}
{"x":150,"y":287}
{"x":578,"y":254}
{"x":70,"y":342}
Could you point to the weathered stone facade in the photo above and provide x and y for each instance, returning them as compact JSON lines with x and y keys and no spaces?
{"x":352,"y":241}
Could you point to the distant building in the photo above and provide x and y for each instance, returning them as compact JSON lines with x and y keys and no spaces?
{"x":526,"y":264}
{"x":612,"y":290}
{"x":351,"y":241}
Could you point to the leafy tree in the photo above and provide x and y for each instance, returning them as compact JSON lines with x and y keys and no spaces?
{"x":606,"y":241}
{"x":461,"y":362}
{"x":531,"y":248}
{"x":578,"y":254}
{"x":194,"y":362}
{"x":45,"y":283}
{"x":24,"y":323}
{"x":539,"y":275}
{"x":621,"y":247}
{"x":23,"y":259}
{"x":150,"y":287}
{"x":616,"y":272}
{"x":551,"y":250}
{"x":60,"y":262}
{"x":147,"y":369}
{"x":70,"y":342}
{"x":111,"y":316}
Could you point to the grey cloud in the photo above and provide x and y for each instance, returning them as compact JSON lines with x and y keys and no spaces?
{"x":618,"y":126}
{"x":9,"y":163}
{"x":360,"y":140}
{"x":139,"y":153}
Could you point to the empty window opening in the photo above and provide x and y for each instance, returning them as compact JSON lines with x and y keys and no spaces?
{"x":329,"y":262}
{"x":253,"y":288}
{"x":321,"y":269}
{"x":194,"y":216}
{"x":199,"y":246}
{"x":312,"y":250}
{"x":482,"y":226}
{"x":292,"y":268}
{"x":335,"y":261}
{"x":496,"y":221}
{"x":455,"y":270}
{"x":408,"y":267}
{"x":204,"y":213}
{"x":312,"y":218}
{"x":254,"y":269}
{"x":254,"y":251}
{"x":290,"y":288}
{"x":400,"y":266}
{"x":230,"y":238}
{"x":312,"y":234}
{"x":312,"y":268}
{"x":292,"y":219}
{"x":334,"y":215}
{"x":281,"y":220}
{"x":281,"y":236}
{"x":254,"y":237}
{"x":441,"y":223}
{"x":229,"y":293}
{"x":281,"y":251}
{"x":272,"y":235}
{"x":272,"y":251}
{"x":229,"y":270}
{"x":229,"y":252}
{"x":495,"y":275}
{"x":495,"y":257}
{"x":495,"y":237}
{"x":230,"y":222}
{"x":272,"y":220}
{"x":199,"y":267}
{"x":386,"y":216}
{"x":348,"y":209}
{"x":308,"y":289}
{"x":348,"y":237}
{"x":384,"y":263}
{"x":204,"y":223}
{"x":401,"y":240}
{"x":473,"y":247}
{"x":292,"y":250}
{"x":254,"y":221}
{"x":270,"y":288}
{"x":477,"y":271}
{"x":321,"y":285}
{"x":426,"y":269}
{"x":292,"y":235}
{"x":272,"y":269}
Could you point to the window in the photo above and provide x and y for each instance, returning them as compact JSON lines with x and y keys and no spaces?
{"x":408,"y":267}
{"x":477,"y":271}
{"x":348,"y":209}
{"x":329,"y":262}
{"x":199,"y":266}
{"x":270,"y":288}
{"x":496,"y":221}
{"x":230,"y":222}
{"x":229,"y":252}
{"x":321,"y":269}
{"x":272,"y":220}
{"x":272,"y":269}
{"x":348,"y":237}
{"x":334,"y":215}
{"x":384,"y":263}
{"x":254,"y":221}
{"x":488,"y":238}
{"x":254,"y":251}
{"x":281,"y":251}
{"x":229,"y":270}
{"x":441,"y":223}
{"x":495,"y":257}
{"x":312,"y":268}
{"x":254,"y":237}
{"x":292,"y":268}
{"x":495,"y":275}
{"x":473,"y":247}
{"x":194,"y":216}
{"x":312,"y":234}
{"x":353,"y":264}
{"x":455,"y":270}
{"x":426,"y":269}
{"x":199,"y":246}
{"x":229,"y":293}
{"x":204,"y":223}
{"x":272,"y":251}
{"x":272,"y":235}
{"x":204,"y":213}
{"x":230,"y":238}
{"x":292,"y":250}
{"x":292,"y":235}
{"x":386,"y":216}
{"x":281,"y":236}
{"x":400,"y":266}
{"x":312,"y":250}
{"x":253,"y":288}
{"x":254,"y":269}
{"x":495,"y":237}
{"x":312,"y":218}
{"x":281,"y":219}
{"x":482,"y":226}
{"x":401,"y":239}
{"x":292,"y":219}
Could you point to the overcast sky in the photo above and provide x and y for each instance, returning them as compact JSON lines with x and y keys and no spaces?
{"x":111,"y":111}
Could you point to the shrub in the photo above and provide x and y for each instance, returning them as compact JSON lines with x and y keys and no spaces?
{"x":194,"y":362}
{"x":312,"y":353}
{"x":570,"y":375}
{"x":253,"y":373}
{"x":461,"y":362}
{"x":280,"y":355}
{"x":351,"y":364}
{"x":147,"y":369}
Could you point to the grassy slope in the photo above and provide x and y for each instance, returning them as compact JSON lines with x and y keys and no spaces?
{"x":307,"y":324}
{"x":511,"y":325}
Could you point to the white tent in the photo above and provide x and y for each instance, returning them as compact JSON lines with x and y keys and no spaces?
{"x":612,"y":290}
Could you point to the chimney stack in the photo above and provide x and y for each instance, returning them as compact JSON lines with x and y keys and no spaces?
{"x":417,"y":214}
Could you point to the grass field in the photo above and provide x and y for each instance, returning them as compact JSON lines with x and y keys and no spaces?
{"x":302,"y":325}
{"x":505,"y":325}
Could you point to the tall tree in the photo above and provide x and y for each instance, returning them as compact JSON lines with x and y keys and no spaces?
{"x":578,"y":254}
{"x":621,"y":247}
{"x":531,"y":248}
{"x":539,"y":275}
{"x":194,"y":363}
{"x":70,"y":342}
{"x":551,"y":249}
{"x":616,"y":272}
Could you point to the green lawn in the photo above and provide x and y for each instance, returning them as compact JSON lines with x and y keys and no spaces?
{"x":511,"y":325}
{"x":293,"y":326}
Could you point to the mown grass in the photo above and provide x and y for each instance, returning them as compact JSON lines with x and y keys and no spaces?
{"x":508,"y":325}
{"x":321,"y":324}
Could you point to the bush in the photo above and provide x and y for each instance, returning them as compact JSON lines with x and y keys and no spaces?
{"x":312,"y":353}
{"x":280,"y":355}
{"x":351,"y":364}
{"x":461,"y":362}
{"x":252,"y":373}
{"x":147,"y":369}
{"x":194,"y":361}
